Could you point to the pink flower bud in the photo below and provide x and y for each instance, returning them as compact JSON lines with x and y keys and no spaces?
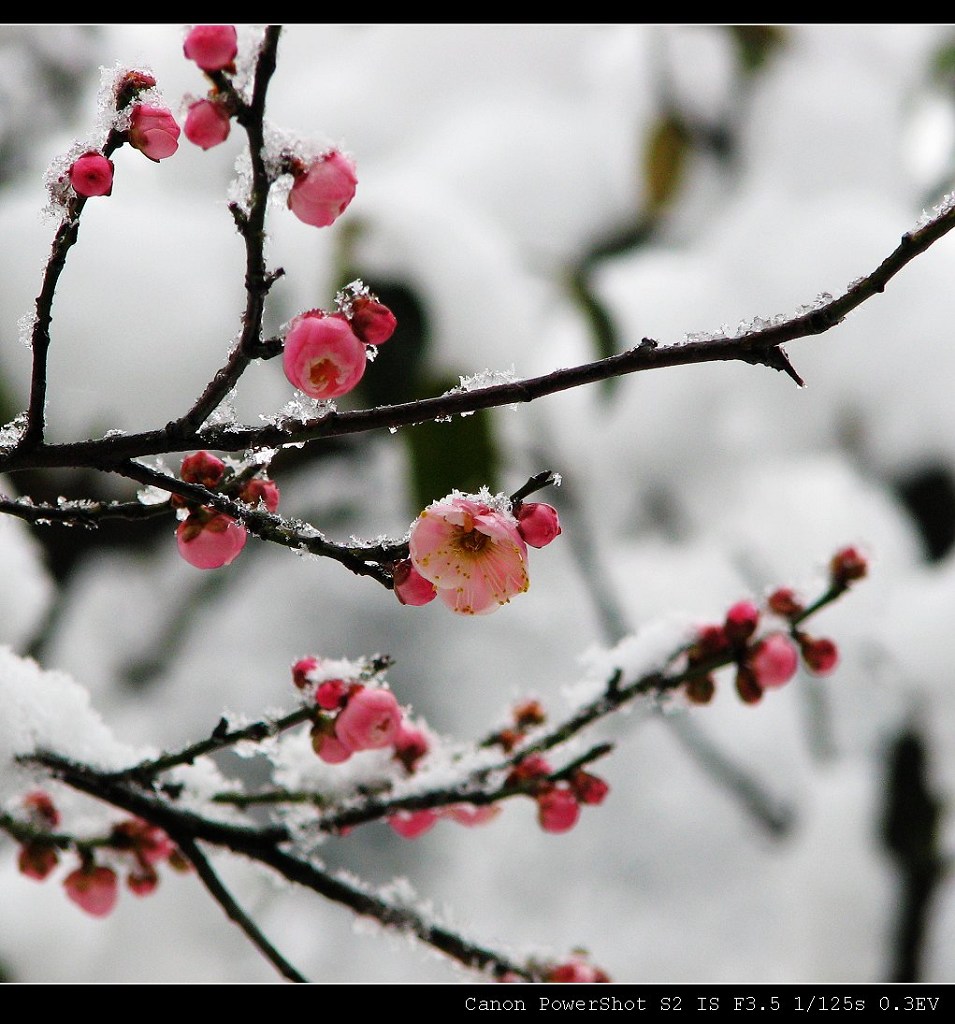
{"x":741,"y":621}
{"x":330,"y":694}
{"x":712,"y":640}
{"x":210,"y":540}
{"x":322,"y":191}
{"x":259,"y":489}
{"x":207,"y":124}
{"x":370,"y":720}
{"x":411,"y":824}
{"x":700,"y":689}
{"x":471,"y":815}
{"x":330,"y":748}
{"x":534,"y":766}
{"x":589,"y":789}
{"x":94,"y":889}
{"x":37,"y":860}
{"x":142,"y":882}
{"x":212,"y":47}
{"x":371,"y":320}
{"x":774,"y":660}
{"x":301,"y":670}
{"x":149,"y":842}
{"x":538,"y":523}
{"x":202,"y":468}
{"x":557,"y":809}
{"x":92,"y":175}
{"x":847,"y":565}
{"x":153,"y":131}
{"x":577,"y":971}
{"x":821,"y":656}
{"x":41,"y":808}
{"x":784,"y":601}
{"x":411,"y":745}
{"x":410,"y":586}
{"x":322,"y":356}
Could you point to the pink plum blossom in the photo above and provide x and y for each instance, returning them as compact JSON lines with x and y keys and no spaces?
{"x":212,"y":47}
{"x":330,"y":748}
{"x":471,"y":815}
{"x":143,"y":881}
{"x":821,"y":655}
{"x":474,"y":554}
{"x":207,"y":124}
{"x":259,"y":489}
{"x":741,"y":621}
{"x":153,"y":131}
{"x":202,"y":468}
{"x":94,"y":889}
{"x":411,"y":824}
{"x":209,"y":540}
{"x":37,"y":859}
{"x":322,"y":356}
{"x":370,"y":720}
{"x":538,"y":523}
{"x":322,"y":190}
{"x":774,"y":660}
{"x":92,"y":175}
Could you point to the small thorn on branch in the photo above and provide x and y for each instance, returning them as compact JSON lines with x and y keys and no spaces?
{"x":778,"y":360}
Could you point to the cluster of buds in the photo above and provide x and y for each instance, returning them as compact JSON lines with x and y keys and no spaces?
{"x":209,"y":539}
{"x":351,"y":717}
{"x":771,"y":660}
{"x":325,"y":351}
{"x":134,"y":845}
{"x":152,"y":130}
{"x":472,"y":553}
{"x":558,"y":801}
{"x":213,"y":48}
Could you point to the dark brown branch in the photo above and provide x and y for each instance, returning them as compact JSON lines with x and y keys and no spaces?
{"x":81,"y":513}
{"x":234,"y":912}
{"x":752,"y":346}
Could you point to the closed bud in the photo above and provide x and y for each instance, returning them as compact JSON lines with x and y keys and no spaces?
{"x":820,"y":655}
{"x":207,"y":124}
{"x":212,"y":47}
{"x":92,"y":175}
{"x":153,"y":131}
{"x":741,"y":622}
{"x":700,"y":689}
{"x":538,"y":523}
{"x":847,"y":565}
{"x":784,"y":602}
{"x":557,"y":809}
{"x":202,"y":468}
{"x":371,"y":320}
{"x":323,"y":189}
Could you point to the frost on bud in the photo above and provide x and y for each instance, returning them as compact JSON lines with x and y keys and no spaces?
{"x":557,"y":809}
{"x":538,"y":523}
{"x":411,"y":745}
{"x":37,"y":860}
{"x":301,"y":670}
{"x":821,"y":655}
{"x":370,"y":720}
{"x":847,"y":565}
{"x":92,"y":175}
{"x":212,"y":47}
{"x":411,"y":824}
{"x":322,"y":190}
{"x":210,"y":540}
{"x":202,"y":468}
{"x":153,"y":131}
{"x":322,"y":356}
{"x":330,"y":695}
{"x":371,"y":320}
{"x":410,"y":586}
{"x":774,"y":660}
{"x":259,"y":489}
{"x":207,"y":124}
{"x":129,"y":85}
{"x":741,"y":621}
{"x":93,"y":889}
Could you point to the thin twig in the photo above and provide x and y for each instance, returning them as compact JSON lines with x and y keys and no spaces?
{"x":227,"y":901}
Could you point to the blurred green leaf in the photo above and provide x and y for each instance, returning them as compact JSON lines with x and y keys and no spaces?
{"x":756,"y":44}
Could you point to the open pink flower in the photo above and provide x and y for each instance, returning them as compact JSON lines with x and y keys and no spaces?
{"x":474,"y":554}
{"x":92,"y":175}
{"x":322,"y":356}
{"x":94,"y":889}
{"x":209,"y":540}
{"x":370,"y":720}
{"x":153,"y":131}
{"x":322,"y":190}
{"x":207,"y":124}
{"x":212,"y":47}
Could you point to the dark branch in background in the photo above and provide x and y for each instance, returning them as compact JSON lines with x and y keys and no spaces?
{"x":224,"y":898}
{"x":760,"y":346}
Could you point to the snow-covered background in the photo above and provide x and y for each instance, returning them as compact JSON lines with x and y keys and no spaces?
{"x":491,"y":160}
